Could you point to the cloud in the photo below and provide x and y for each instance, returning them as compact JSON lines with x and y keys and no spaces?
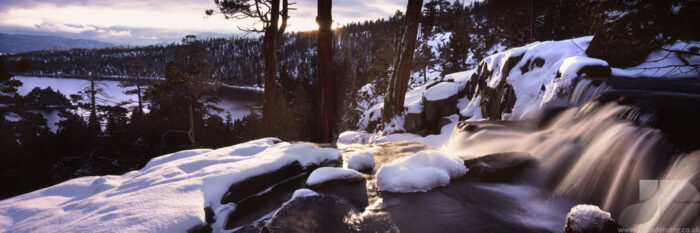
{"x":138,"y":22}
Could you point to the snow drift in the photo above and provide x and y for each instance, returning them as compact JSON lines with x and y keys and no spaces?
{"x":168,"y":195}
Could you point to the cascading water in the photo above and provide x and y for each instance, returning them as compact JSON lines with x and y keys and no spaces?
{"x":598,"y":153}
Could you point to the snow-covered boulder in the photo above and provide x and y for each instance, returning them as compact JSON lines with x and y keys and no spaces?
{"x":360,"y":161}
{"x":440,"y":100}
{"x":419,"y":172}
{"x":173,"y":193}
{"x":589,"y":219}
{"x":512,"y":84}
{"x":327,"y":174}
{"x":352,"y":137}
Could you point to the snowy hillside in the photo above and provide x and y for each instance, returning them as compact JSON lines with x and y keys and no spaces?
{"x":515,"y":85}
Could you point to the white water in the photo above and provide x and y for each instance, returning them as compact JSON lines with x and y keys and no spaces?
{"x":590,"y":155}
{"x":236,"y":101}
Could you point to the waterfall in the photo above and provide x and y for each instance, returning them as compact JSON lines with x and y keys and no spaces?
{"x":597,"y":154}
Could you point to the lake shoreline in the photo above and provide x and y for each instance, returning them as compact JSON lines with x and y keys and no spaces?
{"x":149,"y":80}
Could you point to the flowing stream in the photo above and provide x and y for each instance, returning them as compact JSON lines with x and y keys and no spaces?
{"x":606,"y":153}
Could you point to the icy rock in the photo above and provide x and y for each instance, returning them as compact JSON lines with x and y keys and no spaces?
{"x":589,"y":219}
{"x":327,"y":174}
{"x":499,"y":167}
{"x":360,"y":161}
{"x":323,"y":213}
{"x":419,"y":172}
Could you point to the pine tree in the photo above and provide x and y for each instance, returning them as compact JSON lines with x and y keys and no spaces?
{"x":398,"y":85}
{"x":268,"y":11}
{"x":187,"y":90}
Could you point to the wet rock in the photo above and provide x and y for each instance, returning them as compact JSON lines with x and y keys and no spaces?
{"x":322,"y":213}
{"x":595,"y":71}
{"x":590,"y":219}
{"x":500,"y":167}
{"x":257,"y":206}
{"x":354,"y":191}
{"x":256,"y":184}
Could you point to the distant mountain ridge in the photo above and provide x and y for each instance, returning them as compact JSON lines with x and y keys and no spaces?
{"x":19,"y":43}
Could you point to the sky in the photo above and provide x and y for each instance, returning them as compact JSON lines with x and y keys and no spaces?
{"x":144,"y":22}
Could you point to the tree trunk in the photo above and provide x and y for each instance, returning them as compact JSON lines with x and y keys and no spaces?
{"x":393,"y":102}
{"x":325,"y":70}
{"x":93,"y":124}
{"x":190,"y":133}
{"x":138,"y":95}
{"x":270,"y":54}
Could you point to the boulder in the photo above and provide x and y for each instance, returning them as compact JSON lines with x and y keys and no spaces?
{"x":590,"y":219}
{"x":323,"y":213}
{"x":414,"y":122}
{"x":443,"y":121}
{"x":500,"y":167}
{"x":354,"y":191}
{"x":434,"y":109}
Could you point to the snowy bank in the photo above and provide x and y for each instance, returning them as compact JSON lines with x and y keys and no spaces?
{"x":168,"y":195}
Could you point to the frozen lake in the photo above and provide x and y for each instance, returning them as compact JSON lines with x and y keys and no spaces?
{"x":236,"y":101}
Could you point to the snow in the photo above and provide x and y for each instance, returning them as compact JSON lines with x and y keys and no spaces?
{"x":360,"y":160}
{"x":302,"y":193}
{"x":584,"y":218}
{"x":572,"y":65}
{"x":168,"y":195}
{"x":325,"y":174}
{"x":441,"y":91}
{"x":351,"y":137}
{"x":433,"y":140}
{"x":419,"y":172}
{"x":414,"y":99}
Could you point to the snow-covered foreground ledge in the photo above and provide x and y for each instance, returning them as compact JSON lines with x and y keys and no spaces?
{"x":168,"y":195}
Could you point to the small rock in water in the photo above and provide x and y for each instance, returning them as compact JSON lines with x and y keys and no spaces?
{"x":323,"y":213}
{"x":589,"y":219}
{"x":361,"y":161}
{"x":327,"y":174}
{"x":500,"y":167}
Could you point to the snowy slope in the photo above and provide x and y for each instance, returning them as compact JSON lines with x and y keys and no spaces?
{"x":516,"y":83}
{"x":168,"y":195}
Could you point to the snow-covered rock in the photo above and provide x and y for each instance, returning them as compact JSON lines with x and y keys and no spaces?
{"x":326,"y":174}
{"x":441,"y":91}
{"x":360,"y":161}
{"x":586,"y":218}
{"x":352,"y":137}
{"x":169,"y":194}
{"x":419,"y":172}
